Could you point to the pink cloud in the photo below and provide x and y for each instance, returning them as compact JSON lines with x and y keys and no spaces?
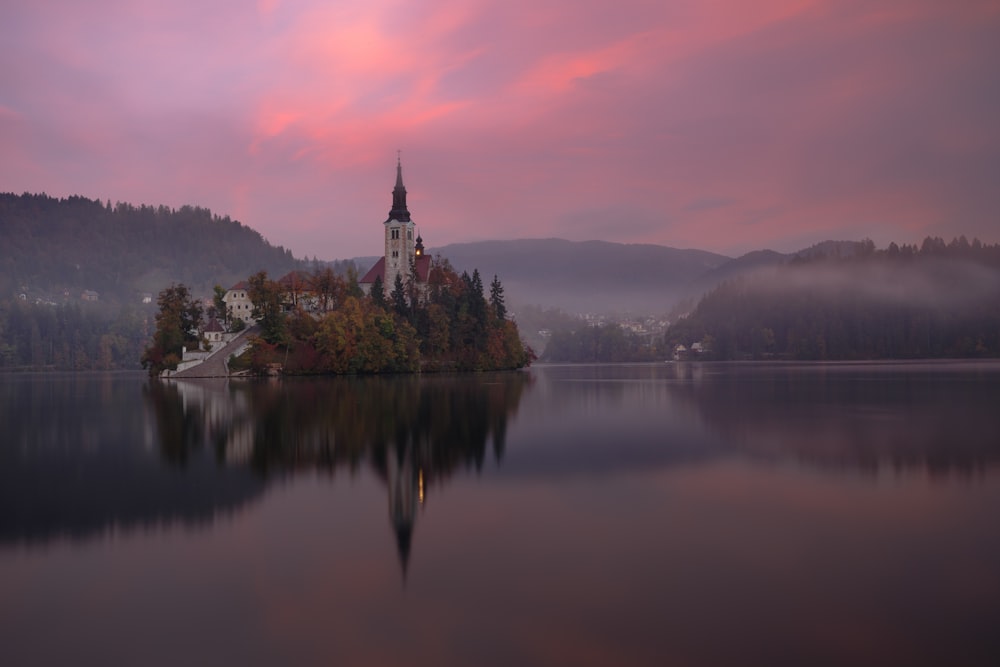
{"x":718,"y":124}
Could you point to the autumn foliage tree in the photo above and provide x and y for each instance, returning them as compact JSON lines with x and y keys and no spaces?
{"x":444,"y":324}
{"x":177,"y":324}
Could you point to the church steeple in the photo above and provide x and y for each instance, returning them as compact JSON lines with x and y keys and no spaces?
{"x":399,"y":211}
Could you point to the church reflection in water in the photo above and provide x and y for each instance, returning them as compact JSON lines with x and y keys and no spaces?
{"x":412,"y":432}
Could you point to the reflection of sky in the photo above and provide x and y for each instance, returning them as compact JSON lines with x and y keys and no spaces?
{"x":789,"y":567}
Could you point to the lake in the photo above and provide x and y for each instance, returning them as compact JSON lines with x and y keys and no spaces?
{"x":660,"y":514}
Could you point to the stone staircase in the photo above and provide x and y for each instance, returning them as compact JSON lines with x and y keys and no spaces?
{"x":216,"y":364}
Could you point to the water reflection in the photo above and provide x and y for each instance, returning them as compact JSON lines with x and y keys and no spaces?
{"x":940,"y":418}
{"x":413,"y":432}
{"x":82,"y":455}
{"x":614,"y":514}
{"x":78,"y":459}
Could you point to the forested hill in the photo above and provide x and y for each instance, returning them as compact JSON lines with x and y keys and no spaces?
{"x":938,"y":300}
{"x":50,"y":246}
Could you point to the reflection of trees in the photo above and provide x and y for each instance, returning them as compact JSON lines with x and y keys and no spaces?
{"x":856,"y":416}
{"x":414,"y":431}
{"x":324,"y":423}
{"x":72,"y":464}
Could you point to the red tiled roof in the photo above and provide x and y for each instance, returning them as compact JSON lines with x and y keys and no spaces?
{"x":299,"y":279}
{"x":423,"y":266}
{"x":240,"y":285}
{"x":376,"y":271}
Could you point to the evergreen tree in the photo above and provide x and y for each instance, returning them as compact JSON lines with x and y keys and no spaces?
{"x":497,"y":300}
{"x":398,"y":296}
{"x":378,"y":293}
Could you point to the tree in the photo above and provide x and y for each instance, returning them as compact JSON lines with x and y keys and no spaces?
{"x":330,"y":288}
{"x":398,"y":296}
{"x":265,"y":295}
{"x":177,"y":323}
{"x":378,"y":293}
{"x":497,"y":300}
{"x":219,"y":301}
{"x":353,"y":288}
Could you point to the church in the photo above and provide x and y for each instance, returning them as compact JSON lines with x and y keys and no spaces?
{"x":403,"y":246}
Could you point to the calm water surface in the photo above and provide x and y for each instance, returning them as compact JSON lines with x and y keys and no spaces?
{"x":581,"y":515}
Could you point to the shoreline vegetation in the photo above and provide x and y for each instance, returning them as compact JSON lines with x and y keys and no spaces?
{"x":447,"y":325}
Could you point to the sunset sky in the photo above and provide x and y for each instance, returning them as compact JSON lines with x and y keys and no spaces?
{"x":726,"y":125}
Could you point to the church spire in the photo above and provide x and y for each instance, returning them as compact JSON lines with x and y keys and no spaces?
{"x":399,"y":212}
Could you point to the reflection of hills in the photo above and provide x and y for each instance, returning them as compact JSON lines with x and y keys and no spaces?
{"x":72,"y":464}
{"x":626,"y":418}
{"x":941,"y":417}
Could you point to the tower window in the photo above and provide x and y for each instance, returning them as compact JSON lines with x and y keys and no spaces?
{"x":409,"y":234}
{"x":394,"y":234}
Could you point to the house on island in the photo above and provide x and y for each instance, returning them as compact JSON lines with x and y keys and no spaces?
{"x":403,"y":246}
{"x":238,"y":304}
{"x":213,"y":331}
{"x":298,"y":291}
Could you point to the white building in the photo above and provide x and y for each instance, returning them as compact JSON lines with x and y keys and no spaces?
{"x":238,"y":304}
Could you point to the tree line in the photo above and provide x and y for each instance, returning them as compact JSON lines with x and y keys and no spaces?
{"x":71,"y":336}
{"x":605,"y":343}
{"x":938,"y":300}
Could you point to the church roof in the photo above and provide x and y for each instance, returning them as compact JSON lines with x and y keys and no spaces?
{"x":423,"y":266}
{"x":376,"y":271}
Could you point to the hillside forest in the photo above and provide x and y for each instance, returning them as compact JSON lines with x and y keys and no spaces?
{"x":78,"y":276}
{"x":938,"y":300}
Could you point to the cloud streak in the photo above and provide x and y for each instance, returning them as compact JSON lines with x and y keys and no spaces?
{"x":710,"y":124}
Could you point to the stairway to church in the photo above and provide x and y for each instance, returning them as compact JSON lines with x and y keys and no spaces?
{"x":215,"y":365}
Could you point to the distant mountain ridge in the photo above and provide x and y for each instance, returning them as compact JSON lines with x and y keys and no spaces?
{"x":585,"y":276}
{"x":607,"y":277}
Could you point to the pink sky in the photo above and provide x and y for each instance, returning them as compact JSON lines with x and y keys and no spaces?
{"x":718,"y":124}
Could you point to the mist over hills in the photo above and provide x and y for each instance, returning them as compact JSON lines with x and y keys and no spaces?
{"x":586,"y":276}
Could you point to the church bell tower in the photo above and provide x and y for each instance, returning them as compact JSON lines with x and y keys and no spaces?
{"x":400,"y":244}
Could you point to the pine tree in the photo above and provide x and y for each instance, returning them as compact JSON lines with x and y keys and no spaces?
{"x":378,"y":292}
{"x":398,"y":296}
{"x":497,"y":300}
